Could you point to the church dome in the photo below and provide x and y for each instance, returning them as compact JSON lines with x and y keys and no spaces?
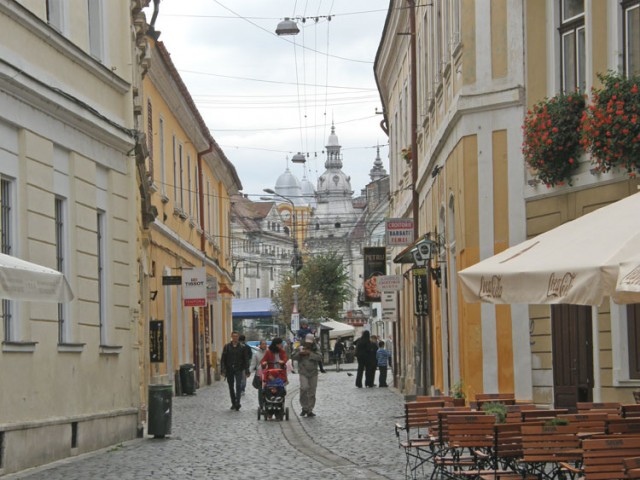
{"x":289,"y":186}
{"x":308,"y":191}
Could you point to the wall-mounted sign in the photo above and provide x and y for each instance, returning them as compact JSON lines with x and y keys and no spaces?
{"x":420,"y":291}
{"x":375,"y":265}
{"x":212,"y":289}
{"x":399,"y":231}
{"x":389,"y":283}
{"x":172,"y":280}
{"x":156,"y":341}
{"x":194,"y":287}
{"x":389,"y":306}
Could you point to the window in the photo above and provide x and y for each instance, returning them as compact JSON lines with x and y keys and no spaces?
{"x":189,"y":189}
{"x":197,"y":199}
{"x":572,"y":45}
{"x":180,"y":178}
{"x":631,"y":15}
{"x":6,"y":233}
{"x":257,"y":293}
{"x":163,"y":174}
{"x":208,"y":225}
{"x":271,"y":273}
{"x":102,"y":284}
{"x":633,"y":327}
{"x":59,"y":213}
{"x":175,"y":172}
{"x":258,"y":270}
{"x":150,"y":137}
{"x":95,"y":28}
{"x":55,"y":14}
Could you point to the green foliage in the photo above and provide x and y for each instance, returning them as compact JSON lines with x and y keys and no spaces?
{"x":496,"y":408}
{"x":556,"y":422}
{"x":324,"y":287}
{"x":457,"y":390}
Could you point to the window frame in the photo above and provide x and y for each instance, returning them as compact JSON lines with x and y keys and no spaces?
{"x":574,"y":26}
{"x":627,"y":6}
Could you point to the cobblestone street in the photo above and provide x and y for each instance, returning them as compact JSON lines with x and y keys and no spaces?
{"x":352,"y":437}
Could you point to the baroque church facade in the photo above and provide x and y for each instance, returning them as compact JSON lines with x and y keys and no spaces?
{"x":321,"y":218}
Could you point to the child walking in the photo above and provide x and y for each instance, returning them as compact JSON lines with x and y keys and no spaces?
{"x":383,"y":359}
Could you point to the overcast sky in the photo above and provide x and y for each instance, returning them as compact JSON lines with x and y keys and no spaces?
{"x":266,"y":97}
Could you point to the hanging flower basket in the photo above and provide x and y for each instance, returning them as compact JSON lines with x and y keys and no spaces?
{"x":551,"y":144}
{"x":406,"y":153}
{"x":611,"y":124}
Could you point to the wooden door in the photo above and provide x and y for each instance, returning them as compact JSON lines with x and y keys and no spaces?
{"x":572,"y":349}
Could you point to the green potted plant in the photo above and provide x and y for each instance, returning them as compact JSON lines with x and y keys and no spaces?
{"x":554,"y":422}
{"x":611,"y":124}
{"x":457,"y":392}
{"x":551,"y":138}
{"x":406,"y":153}
{"x":496,"y":408}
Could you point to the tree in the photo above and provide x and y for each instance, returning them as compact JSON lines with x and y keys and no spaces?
{"x":324,"y":287}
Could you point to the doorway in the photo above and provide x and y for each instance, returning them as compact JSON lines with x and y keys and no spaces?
{"x":572,"y":350}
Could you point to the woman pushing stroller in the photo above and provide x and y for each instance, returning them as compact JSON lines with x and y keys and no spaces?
{"x":274,"y":380}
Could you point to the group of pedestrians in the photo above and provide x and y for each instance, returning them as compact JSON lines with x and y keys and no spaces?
{"x":238,"y":361}
{"x":371,"y":355}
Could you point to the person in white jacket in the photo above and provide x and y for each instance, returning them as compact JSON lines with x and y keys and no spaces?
{"x":256,"y":367}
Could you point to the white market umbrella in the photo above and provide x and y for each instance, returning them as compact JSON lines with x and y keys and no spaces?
{"x":628,"y":285}
{"x":22,"y":280}
{"x":578,"y":262}
{"x":338,"y":329}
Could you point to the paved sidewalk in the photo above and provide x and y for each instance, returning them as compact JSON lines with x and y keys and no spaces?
{"x":351,"y":438}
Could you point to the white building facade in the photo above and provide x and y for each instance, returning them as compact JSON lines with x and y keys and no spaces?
{"x":69,"y":375}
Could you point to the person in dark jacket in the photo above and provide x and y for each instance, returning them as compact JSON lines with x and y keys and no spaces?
{"x":363,"y":348}
{"x":371,"y":363}
{"x":234,"y":365}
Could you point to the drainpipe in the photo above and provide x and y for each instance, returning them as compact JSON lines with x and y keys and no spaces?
{"x":202,"y":247}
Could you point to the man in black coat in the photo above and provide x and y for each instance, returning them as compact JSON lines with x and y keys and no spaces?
{"x":234,"y":365}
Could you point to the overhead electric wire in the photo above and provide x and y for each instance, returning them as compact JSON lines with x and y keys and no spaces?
{"x":286,"y":40}
{"x":279,"y":129}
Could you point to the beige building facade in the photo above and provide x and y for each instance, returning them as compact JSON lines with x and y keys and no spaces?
{"x":69,"y":374}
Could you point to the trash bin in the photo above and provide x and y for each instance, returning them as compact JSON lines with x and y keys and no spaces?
{"x":159,"y":421}
{"x":188,"y":379}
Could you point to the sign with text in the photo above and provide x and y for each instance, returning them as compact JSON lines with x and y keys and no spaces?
{"x":375,"y":265}
{"x":194,"y":287}
{"x":399,"y":231}
{"x":172,"y":280}
{"x":212,"y":289}
{"x":389,"y":283}
{"x":420,"y":291}
{"x":156,"y":341}
{"x":389,"y":306}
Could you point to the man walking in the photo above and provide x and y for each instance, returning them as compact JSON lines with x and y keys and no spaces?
{"x":234,"y":365}
{"x":309,"y":360}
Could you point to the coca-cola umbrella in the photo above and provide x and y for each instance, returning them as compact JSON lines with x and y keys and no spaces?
{"x":579,"y":262}
{"x":22,"y":280}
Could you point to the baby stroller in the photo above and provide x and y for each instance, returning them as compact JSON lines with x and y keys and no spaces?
{"x":273,"y":394}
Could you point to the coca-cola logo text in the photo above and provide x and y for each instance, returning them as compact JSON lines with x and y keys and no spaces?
{"x":632,"y":278}
{"x":560,"y":286}
{"x":490,"y":287}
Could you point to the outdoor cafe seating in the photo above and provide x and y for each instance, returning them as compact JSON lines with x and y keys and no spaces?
{"x":600,"y":441}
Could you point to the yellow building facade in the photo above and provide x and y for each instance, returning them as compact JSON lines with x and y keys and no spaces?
{"x":191,"y":181}
{"x":465,"y":181}
{"x":477,"y":68}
